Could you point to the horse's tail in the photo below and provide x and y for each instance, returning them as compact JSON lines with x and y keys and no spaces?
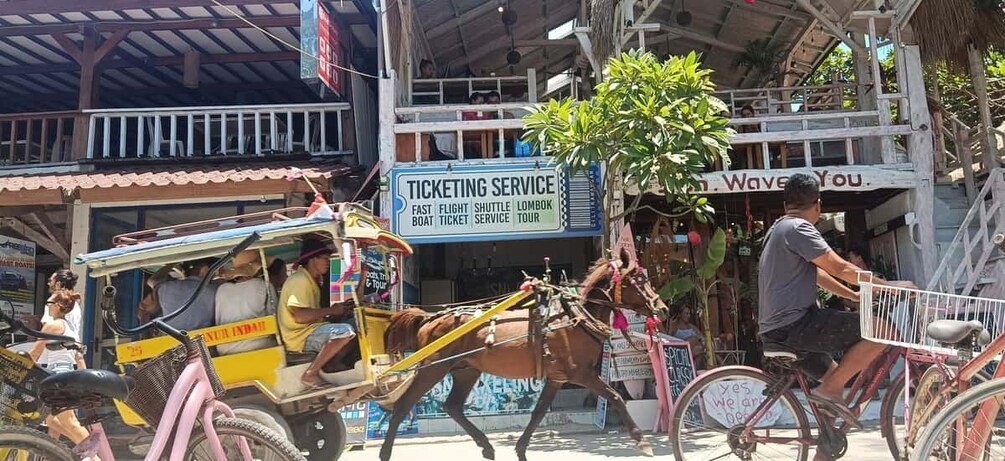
{"x":403,"y":332}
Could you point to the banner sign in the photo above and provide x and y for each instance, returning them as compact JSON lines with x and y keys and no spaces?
{"x":17,"y":276}
{"x":355,"y":418}
{"x":320,"y":37}
{"x":494,"y":202}
{"x":848,"y":178}
{"x":378,"y":419}
{"x":600,"y":415}
{"x":491,"y":395}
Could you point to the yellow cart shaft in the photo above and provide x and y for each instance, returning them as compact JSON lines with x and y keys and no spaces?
{"x":456,"y":333}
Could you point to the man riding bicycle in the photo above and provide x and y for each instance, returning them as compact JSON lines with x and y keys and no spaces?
{"x":794,"y":262}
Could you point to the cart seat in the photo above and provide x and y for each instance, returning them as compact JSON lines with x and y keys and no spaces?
{"x":298,"y":358}
{"x":955,"y":332}
{"x":76,"y":385}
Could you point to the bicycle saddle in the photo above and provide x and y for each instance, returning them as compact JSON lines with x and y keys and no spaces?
{"x":88,"y":382}
{"x":956,"y":331}
{"x":773,"y":350}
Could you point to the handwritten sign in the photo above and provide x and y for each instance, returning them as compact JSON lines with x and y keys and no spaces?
{"x":489,"y":202}
{"x":354,"y":416}
{"x":377,"y":280}
{"x":732,"y":402}
{"x":679,"y":367}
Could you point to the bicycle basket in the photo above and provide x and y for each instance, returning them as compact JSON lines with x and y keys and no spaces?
{"x":900,"y":316}
{"x":156,"y":377}
{"x":19,"y":380}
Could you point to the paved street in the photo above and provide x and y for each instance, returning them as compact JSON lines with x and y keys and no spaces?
{"x":866,"y":445}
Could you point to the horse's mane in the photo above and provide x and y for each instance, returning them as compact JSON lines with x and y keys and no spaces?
{"x":403,"y":332}
{"x":597,"y":276}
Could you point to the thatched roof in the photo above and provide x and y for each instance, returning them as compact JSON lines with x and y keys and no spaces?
{"x":945,"y":28}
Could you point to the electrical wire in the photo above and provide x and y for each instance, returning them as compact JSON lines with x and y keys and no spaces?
{"x":261,"y":29}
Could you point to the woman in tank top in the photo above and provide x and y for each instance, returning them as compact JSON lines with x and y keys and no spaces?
{"x":59,"y":305}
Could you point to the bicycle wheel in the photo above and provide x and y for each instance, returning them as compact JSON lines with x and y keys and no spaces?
{"x":24,"y":444}
{"x":708,"y":419}
{"x":958,"y":423}
{"x":265,"y":444}
{"x":892,"y":415}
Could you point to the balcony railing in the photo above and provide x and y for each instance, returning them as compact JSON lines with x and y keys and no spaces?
{"x":815,"y":139}
{"x":773,"y":101}
{"x":36,"y":138}
{"x":204,"y":131}
{"x":485,"y":131}
{"x":455,"y":91}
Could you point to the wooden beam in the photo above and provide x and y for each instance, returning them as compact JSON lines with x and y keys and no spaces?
{"x":109,"y":44}
{"x":829,"y":25}
{"x":68,"y":45}
{"x":155,"y":61}
{"x":466,"y":16}
{"x":31,"y":234}
{"x":145,"y":26}
{"x":768,"y":9}
{"x":702,"y":38}
{"x":48,"y":228}
{"x":492,"y":46}
{"x":540,"y":42}
{"x":27,"y":7}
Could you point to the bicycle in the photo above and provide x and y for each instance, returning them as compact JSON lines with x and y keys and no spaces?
{"x":173,"y":389}
{"x":19,"y":403}
{"x":756,"y":421}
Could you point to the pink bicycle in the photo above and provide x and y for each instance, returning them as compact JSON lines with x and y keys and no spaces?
{"x":178,"y":390}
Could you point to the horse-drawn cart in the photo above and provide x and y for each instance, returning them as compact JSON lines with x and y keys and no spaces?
{"x":267,"y":381}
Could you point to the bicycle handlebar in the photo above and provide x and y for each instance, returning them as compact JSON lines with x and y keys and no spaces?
{"x":16,"y":326}
{"x":161,"y":322}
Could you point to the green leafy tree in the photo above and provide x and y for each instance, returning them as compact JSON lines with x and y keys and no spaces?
{"x":651,"y":122}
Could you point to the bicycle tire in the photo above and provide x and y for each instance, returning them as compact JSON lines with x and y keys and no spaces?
{"x":894,"y":440}
{"x":949,"y":414}
{"x":706,"y":379}
{"x":888,"y":415}
{"x":257,"y":435}
{"x":36,"y":443}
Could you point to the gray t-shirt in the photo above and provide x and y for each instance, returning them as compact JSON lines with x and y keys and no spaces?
{"x":173,"y":294}
{"x":787,"y":281}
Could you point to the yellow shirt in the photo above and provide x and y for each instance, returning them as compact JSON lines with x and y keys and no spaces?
{"x":300,"y":291}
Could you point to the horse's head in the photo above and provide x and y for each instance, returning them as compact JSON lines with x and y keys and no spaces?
{"x":629,"y":285}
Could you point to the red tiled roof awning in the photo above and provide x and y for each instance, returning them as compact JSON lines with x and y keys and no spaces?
{"x":164,"y":182}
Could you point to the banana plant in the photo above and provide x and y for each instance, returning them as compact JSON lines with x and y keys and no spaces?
{"x":703,"y":280}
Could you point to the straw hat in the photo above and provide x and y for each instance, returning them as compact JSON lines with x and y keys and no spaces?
{"x":246,"y":264}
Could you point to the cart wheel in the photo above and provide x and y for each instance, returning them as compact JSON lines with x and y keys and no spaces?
{"x":265,"y":417}
{"x":321,"y":436}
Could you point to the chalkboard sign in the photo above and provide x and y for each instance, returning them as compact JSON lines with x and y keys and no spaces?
{"x":377,"y":280}
{"x":679,"y":368}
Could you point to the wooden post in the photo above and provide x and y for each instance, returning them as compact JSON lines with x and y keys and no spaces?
{"x":921,"y":147}
{"x":938,"y":125}
{"x":980,"y":81}
{"x":89,"y":56}
{"x":966,"y":161}
{"x":387,"y":150}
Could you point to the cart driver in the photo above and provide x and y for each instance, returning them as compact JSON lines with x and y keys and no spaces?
{"x":794,"y":262}
{"x":302,"y":319}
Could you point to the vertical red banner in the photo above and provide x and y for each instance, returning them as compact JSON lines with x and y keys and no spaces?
{"x":329,"y":39}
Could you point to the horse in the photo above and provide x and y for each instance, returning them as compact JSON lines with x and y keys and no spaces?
{"x":574,"y":351}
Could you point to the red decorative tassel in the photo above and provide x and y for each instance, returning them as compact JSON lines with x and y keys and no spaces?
{"x":651,"y":324}
{"x":620,"y":321}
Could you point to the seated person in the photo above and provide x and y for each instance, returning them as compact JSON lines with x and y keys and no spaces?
{"x":167,"y":295}
{"x":680,"y":327}
{"x":245,"y":295}
{"x":302,"y":319}
{"x":474,"y":99}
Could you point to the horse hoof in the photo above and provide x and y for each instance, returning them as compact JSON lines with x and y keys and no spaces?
{"x":646,"y":449}
{"x":489,"y":453}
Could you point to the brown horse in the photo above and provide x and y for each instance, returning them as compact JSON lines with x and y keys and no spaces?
{"x":574,"y":352}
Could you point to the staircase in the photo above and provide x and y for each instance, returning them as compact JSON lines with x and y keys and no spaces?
{"x":971,"y":263}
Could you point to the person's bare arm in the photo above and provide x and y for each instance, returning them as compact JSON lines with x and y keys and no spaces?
{"x":306,"y":316}
{"x":840,"y":269}
{"x":53,"y":328}
{"x":825,"y":281}
{"x":162,"y":274}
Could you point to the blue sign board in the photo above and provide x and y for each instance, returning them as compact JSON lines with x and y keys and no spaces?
{"x":514,"y":201}
{"x":491,"y":395}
